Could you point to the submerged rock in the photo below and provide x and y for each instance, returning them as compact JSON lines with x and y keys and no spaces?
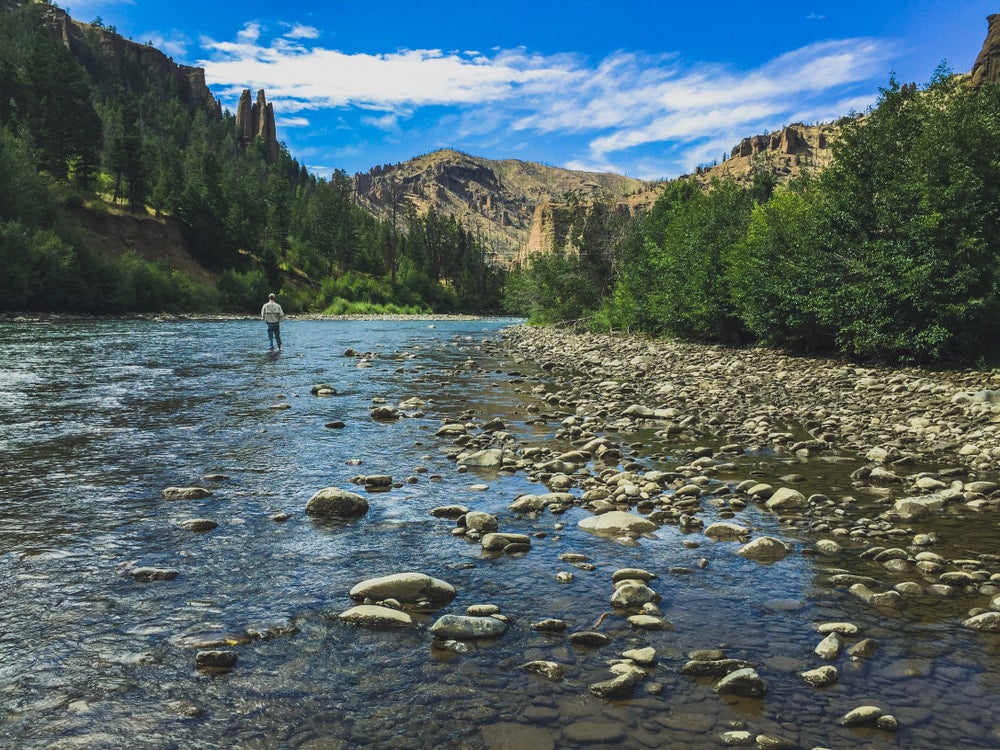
{"x":550,"y":670}
{"x":198,"y":524}
{"x":218,"y":659}
{"x":153,"y":574}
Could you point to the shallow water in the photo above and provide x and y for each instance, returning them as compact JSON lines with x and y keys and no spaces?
{"x":97,"y":418}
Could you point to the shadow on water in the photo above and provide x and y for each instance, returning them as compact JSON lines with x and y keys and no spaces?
{"x":97,"y":419}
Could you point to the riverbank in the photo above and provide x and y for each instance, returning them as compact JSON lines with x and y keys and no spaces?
{"x":763,"y":398}
{"x":170,"y":317}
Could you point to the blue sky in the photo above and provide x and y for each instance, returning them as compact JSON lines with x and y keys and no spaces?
{"x":646,"y":89}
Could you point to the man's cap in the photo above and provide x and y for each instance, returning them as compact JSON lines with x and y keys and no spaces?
{"x":271,"y":295}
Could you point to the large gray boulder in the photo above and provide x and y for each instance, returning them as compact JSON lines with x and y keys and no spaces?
{"x":785,"y":498}
{"x":404,"y":587}
{"x":333,"y":502}
{"x":485,"y":459}
{"x":912,"y":508}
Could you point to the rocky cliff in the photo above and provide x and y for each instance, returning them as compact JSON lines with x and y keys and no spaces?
{"x":512,"y":206}
{"x":986,"y":68}
{"x":785,"y":154}
{"x":117,"y":52}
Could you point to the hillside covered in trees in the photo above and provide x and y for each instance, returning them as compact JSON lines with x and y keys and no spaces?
{"x":892,"y":252}
{"x":93,"y":125}
{"x":887,"y":247}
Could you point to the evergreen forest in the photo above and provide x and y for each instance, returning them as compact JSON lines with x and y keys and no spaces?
{"x":80,"y":133}
{"x":891,"y":254}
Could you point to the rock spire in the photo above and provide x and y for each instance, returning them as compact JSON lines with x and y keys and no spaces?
{"x":256,"y":120}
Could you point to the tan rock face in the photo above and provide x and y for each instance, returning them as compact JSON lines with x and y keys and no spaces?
{"x":513,"y":205}
{"x":986,"y":68}
{"x":119,"y":51}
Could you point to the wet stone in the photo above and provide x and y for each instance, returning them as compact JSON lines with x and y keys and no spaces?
{"x":186,"y":493}
{"x":745,"y":682}
{"x":154,"y":574}
{"x":463,"y":627}
{"x":218,"y":658}
{"x":589,"y":639}
{"x":594,"y":732}
{"x":198,"y":524}
{"x":549,"y":670}
{"x":550,"y":626}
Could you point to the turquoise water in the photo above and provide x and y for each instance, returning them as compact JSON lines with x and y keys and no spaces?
{"x":97,"y":418}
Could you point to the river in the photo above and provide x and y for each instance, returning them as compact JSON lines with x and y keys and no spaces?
{"x":97,"y":418}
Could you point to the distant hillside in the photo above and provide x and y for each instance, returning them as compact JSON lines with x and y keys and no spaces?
{"x":518,"y":208}
{"x":501,"y":202}
{"x":785,"y":153}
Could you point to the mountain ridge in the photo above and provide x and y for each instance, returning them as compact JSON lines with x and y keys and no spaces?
{"x":495,"y":198}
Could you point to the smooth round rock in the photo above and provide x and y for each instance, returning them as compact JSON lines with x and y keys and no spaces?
{"x":372,"y":615}
{"x":406,"y":587}
{"x":333,"y":502}
{"x":745,"y":682}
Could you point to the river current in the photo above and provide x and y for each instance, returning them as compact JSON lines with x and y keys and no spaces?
{"x":97,"y":418}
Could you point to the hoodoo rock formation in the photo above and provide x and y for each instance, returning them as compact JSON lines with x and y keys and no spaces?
{"x":986,"y":68}
{"x":256,"y":120}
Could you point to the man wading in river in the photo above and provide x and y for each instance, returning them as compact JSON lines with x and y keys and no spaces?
{"x":271,"y":313}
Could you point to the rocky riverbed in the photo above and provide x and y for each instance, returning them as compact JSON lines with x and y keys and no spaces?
{"x":919,"y":445}
{"x":459,"y":535}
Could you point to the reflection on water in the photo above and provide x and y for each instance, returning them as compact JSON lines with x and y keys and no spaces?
{"x":97,"y":418}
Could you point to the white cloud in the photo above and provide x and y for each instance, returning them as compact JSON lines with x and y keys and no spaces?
{"x":292,"y":122}
{"x":627,"y":101}
{"x":301,"y":31}
{"x":387,"y":122}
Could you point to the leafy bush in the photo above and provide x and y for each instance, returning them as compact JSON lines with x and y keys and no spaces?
{"x":243,"y":291}
{"x":782,"y":275}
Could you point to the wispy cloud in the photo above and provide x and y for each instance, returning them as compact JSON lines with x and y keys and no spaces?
{"x":301,"y":31}
{"x":617,"y":106}
{"x":293,"y":122}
